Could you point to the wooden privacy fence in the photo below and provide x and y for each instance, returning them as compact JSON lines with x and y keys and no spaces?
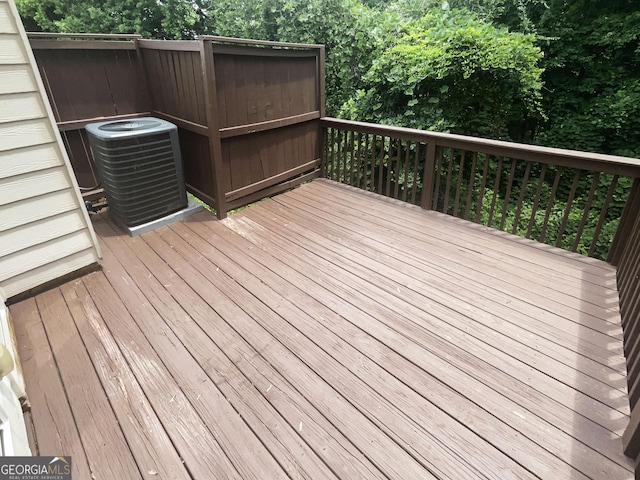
{"x":248,"y":111}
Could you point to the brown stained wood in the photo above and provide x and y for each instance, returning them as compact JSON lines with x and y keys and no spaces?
{"x":268,"y":125}
{"x":204,"y":457}
{"x":286,"y":330}
{"x":456,"y":201}
{"x":496,"y":265}
{"x":622,"y":166}
{"x":483,"y":184}
{"x":85,"y":393}
{"x":556,"y":329}
{"x":628,"y":217}
{"x":181,"y":302}
{"x":389,"y":170}
{"x":415,"y":173}
{"x":438,"y":176}
{"x":55,"y":428}
{"x":267,"y":182}
{"x":397,"y":169}
{"x":249,"y":322}
{"x":351,"y":156}
{"x":411,"y":378}
{"x":145,"y":434}
{"x":536,"y":201}
{"x":496,"y":186}
{"x":551,"y":201}
{"x":567,"y":210}
{"x":507,"y":195}
{"x":331,"y":319}
{"x":381,"y":163}
{"x":429,"y":177}
{"x":603,"y":214}
{"x":358,"y":336}
{"x":79,"y":124}
{"x":450,"y":159}
{"x":405,"y":172}
{"x":40,"y":44}
{"x":273,"y":389}
{"x":366,"y":167}
{"x":523,"y":190}
{"x":605,"y":376}
{"x":471,"y":185}
{"x":359,"y":164}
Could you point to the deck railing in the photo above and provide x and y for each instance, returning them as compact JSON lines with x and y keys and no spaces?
{"x":583,"y":202}
{"x":573,"y":200}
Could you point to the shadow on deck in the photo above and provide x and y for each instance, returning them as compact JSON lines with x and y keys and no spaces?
{"x":329,"y":333}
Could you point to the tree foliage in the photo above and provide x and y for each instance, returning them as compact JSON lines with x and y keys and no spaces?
{"x":450,"y":71}
{"x":166,"y":19}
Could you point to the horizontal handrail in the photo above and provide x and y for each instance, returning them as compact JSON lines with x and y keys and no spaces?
{"x":613,"y":164}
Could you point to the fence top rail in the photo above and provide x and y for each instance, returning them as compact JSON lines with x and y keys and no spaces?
{"x":174,"y":45}
{"x":84,"y":36}
{"x":624,"y":166}
{"x":262,"y":43}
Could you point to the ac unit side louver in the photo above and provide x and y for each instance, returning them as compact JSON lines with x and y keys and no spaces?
{"x":140,"y":167}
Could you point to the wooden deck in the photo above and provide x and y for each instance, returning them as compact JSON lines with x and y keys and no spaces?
{"x":329,"y":333}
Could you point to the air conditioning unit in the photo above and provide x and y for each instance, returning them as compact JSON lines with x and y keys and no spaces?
{"x":140,"y":167}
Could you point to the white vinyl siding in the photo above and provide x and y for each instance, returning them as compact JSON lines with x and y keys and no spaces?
{"x":45,"y":232}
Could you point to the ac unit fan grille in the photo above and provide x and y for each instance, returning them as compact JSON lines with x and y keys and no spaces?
{"x":141,"y":176}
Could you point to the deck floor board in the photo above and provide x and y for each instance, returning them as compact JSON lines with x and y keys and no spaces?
{"x":329,"y":333}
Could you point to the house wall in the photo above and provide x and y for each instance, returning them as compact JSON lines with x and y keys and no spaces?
{"x":45,"y":230}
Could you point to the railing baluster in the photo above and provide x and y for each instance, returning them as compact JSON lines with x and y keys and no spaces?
{"x":456,"y":202}
{"x":536,"y":200}
{"x":496,"y":187}
{"x":372,"y":169}
{"x":585,"y":214}
{"x":523,"y":191}
{"x":358,"y":162}
{"x":381,"y":165}
{"x":338,"y":160}
{"x":331,"y":165}
{"x":552,"y":199}
{"x":437,"y":179}
{"x":387,"y":189}
{"x":414,"y":189}
{"x":398,"y":168}
{"x":483,"y":184}
{"x":405,"y":183}
{"x":365,"y":162}
{"x":603,"y":214}
{"x":507,"y":195}
{"x":352,"y":156}
{"x":471,"y":185}
{"x":567,"y":211}
{"x":447,"y":191}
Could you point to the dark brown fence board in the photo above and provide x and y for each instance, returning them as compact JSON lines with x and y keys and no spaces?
{"x":266,"y":93}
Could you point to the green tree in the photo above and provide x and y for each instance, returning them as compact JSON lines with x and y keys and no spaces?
{"x":168,"y":19}
{"x":592,"y":60}
{"x":450,"y":71}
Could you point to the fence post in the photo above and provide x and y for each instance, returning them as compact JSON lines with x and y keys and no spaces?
{"x":215,"y":144}
{"x":628,"y":218}
{"x":428,"y":176}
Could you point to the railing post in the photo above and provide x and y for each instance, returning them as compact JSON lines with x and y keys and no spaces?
{"x":428,"y":176}
{"x":628,"y":218}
